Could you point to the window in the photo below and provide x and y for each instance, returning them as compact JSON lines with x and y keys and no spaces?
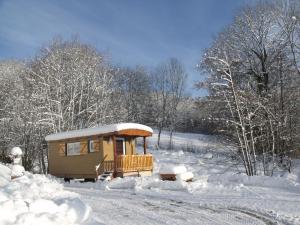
{"x":73,"y":148}
{"x":91,"y":146}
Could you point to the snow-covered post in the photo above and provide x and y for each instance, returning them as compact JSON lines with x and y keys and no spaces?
{"x":17,"y":169}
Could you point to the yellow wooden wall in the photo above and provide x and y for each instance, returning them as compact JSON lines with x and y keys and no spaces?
{"x":108,"y":148}
{"x":130,"y":146}
{"x":76,"y":165}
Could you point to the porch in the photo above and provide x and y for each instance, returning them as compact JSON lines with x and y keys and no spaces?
{"x":127,"y":164}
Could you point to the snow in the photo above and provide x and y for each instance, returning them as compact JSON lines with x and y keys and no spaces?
{"x":180,"y":171}
{"x":17,"y":171}
{"x":97,"y":131}
{"x":220,"y":192}
{"x":185,"y":176}
{"x":171,"y":169}
{"x":5,"y":175}
{"x":36,"y":199}
{"x":16,"y":151}
{"x":208,"y":156}
{"x":187,"y":142}
{"x":17,"y":160}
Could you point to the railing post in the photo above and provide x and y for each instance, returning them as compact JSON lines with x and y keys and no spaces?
{"x":115,"y":155}
{"x":145,"y":152}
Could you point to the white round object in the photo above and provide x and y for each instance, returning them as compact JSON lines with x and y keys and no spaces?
{"x":16,"y":151}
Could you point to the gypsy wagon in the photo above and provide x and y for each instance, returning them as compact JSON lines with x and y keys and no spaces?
{"x":95,"y":153}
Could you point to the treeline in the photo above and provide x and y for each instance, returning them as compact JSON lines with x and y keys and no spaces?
{"x":253,"y":69}
{"x":70,"y":85}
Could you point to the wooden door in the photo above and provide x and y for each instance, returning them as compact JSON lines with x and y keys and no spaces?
{"x":120,"y":146}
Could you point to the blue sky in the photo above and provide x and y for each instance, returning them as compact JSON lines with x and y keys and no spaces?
{"x":131,"y":32}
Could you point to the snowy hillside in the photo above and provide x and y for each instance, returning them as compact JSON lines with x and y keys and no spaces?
{"x":219,"y":193}
{"x":188,"y":142}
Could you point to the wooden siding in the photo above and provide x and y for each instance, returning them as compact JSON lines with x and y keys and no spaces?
{"x":130,"y":146}
{"x":84,"y":147}
{"x":108,"y":148}
{"x":97,"y":144}
{"x":77,"y":166}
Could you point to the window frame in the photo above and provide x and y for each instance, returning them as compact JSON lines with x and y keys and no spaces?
{"x":91,"y":150}
{"x":68,"y":148}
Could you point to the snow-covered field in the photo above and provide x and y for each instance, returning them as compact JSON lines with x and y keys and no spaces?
{"x":219,"y":194}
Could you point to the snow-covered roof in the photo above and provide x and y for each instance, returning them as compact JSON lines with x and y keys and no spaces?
{"x":101,"y":130}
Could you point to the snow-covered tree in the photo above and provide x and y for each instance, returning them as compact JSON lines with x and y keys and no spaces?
{"x":252,"y":72}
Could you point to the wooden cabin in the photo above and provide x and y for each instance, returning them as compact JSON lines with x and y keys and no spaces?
{"x":90,"y":153}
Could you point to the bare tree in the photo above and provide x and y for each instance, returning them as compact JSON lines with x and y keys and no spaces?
{"x":168,"y":86}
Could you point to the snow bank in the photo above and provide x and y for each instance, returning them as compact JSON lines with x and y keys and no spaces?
{"x":97,"y":130}
{"x":185,"y":176}
{"x":172,"y":172}
{"x":230,"y":179}
{"x":17,"y":171}
{"x":37,"y":199}
{"x":5,"y":175}
{"x":208,"y":156}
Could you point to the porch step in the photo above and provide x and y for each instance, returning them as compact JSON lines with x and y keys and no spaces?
{"x":106,"y":176}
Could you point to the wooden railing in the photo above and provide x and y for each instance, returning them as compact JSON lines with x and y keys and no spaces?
{"x":132,"y":163}
{"x":108,"y":166}
{"x":128,"y":163}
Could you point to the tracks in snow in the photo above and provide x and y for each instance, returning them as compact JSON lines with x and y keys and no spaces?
{"x":127,"y":207}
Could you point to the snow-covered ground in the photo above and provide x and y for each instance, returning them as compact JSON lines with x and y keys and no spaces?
{"x":38,"y":200}
{"x":219,"y":193}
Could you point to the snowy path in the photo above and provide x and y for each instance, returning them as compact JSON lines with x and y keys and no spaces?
{"x":131,"y":207}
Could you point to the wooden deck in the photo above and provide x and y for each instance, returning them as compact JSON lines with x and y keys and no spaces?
{"x":129,"y":163}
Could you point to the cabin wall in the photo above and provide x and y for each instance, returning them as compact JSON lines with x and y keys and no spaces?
{"x":108,"y":149}
{"x":83,"y":165}
{"x":130,"y":146}
{"x":77,"y":166}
